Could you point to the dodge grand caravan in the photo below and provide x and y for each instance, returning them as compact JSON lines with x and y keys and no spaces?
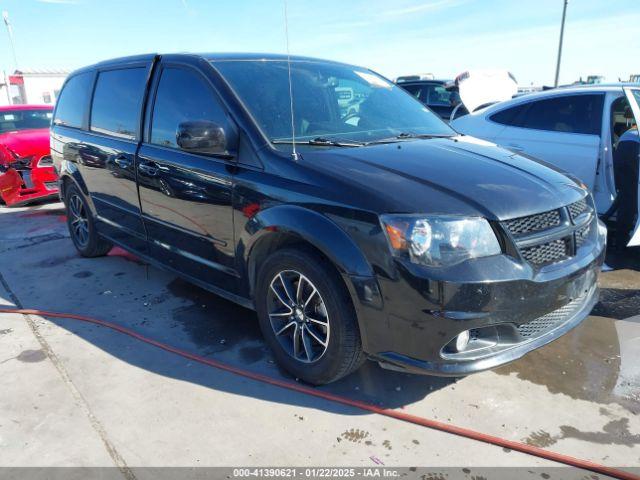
{"x":371,"y":232}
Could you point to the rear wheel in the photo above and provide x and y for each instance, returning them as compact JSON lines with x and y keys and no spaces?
{"x":307,"y":317}
{"x":82,"y":225}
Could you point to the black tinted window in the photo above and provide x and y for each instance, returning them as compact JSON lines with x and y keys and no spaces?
{"x":568,"y":114}
{"x":183,"y":95}
{"x":509,"y":116}
{"x":116,"y":102}
{"x":73,"y":100}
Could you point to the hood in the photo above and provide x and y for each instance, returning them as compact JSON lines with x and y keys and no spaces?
{"x":482,"y":87}
{"x":458,"y":176}
{"x":27,"y":142}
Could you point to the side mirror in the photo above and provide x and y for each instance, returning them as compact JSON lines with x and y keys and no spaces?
{"x":202,"y":136}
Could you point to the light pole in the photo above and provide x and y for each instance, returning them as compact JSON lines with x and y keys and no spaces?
{"x":564,"y":15}
{"x":7,"y":23}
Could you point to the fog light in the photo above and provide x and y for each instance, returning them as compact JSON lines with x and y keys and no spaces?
{"x":462,"y":341}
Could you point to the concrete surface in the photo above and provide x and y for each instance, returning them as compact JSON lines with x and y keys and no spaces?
{"x":80,"y":395}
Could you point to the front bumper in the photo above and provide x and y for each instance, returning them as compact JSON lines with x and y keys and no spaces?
{"x":491,"y":358}
{"x":420,"y":315}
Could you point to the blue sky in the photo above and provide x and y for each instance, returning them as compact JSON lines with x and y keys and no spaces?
{"x":391,"y":36}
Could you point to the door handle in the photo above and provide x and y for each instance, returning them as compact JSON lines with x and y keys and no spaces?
{"x":122,"y":162}
{"x":150,"y":169}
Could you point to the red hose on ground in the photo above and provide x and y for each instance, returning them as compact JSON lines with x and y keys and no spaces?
{"x":425,"y":422}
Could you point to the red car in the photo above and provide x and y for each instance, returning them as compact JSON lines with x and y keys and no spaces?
{"x":26,"y":170}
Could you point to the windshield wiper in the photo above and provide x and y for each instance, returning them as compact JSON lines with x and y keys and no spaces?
{"x":321,"y":141}
{"x":409,"y":136}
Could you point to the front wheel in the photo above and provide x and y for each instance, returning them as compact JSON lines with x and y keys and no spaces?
{"x":82,"y":226}
{"x":307,"y":317}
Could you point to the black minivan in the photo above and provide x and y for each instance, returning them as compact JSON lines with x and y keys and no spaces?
{"x":373,"y":231}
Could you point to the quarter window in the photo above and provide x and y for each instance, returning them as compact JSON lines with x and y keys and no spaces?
{"x":183,"y":95}
{"x":117,"y":100}
{"x":73,"y":100}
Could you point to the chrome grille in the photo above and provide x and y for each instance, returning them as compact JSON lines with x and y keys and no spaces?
{"x":577,"y":208}
{"x":546,"y":253}
{"x":541,"y":325}
{"x":533,"y":223}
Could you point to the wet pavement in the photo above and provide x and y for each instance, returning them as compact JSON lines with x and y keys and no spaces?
{"x":580,"y":395}
{"x":589,"y":362}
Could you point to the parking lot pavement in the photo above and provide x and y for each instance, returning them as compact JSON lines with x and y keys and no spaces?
{"x":81,"y":395}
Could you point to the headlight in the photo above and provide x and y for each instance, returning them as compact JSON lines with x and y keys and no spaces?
{"x":439,"y":241}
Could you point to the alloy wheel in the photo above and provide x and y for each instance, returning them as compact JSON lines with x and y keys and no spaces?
{"x":298,"y":316}
{"x":78,"y":220}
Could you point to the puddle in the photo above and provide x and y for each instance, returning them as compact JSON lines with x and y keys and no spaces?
{"x":584,"y":364}
{"x":540,"y":439}
{"x":615,"y":432}
{"x":31,"y":356}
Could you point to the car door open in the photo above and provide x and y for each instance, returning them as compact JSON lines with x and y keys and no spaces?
{"x":633,"y":95}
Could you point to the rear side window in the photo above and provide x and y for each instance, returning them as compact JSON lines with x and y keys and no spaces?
{"x":117,"y":100}
{"x":569,"y":114}
{"x":73,"y":101}
{"x":566,"y":114}
{"x":183,"y":95}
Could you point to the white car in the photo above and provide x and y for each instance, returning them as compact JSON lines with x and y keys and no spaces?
{"x":576,"y":128}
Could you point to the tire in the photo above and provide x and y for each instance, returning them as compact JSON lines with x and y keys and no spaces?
{"x":82,"y":225}
{"x":328,"y":316}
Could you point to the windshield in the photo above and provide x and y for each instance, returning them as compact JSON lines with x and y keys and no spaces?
{"x":14,"y":120}
{"x":330,"y":101}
